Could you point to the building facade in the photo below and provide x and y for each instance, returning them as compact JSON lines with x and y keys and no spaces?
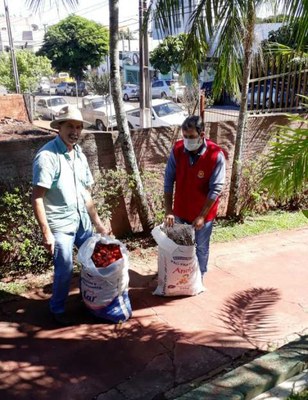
{"x":27,"y":33}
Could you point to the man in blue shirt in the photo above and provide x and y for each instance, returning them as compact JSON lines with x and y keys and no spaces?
{"x":62,"y":203}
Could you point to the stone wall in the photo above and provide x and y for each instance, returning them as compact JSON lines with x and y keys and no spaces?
{"x":13,"y":106}
{"x":152,"y":147}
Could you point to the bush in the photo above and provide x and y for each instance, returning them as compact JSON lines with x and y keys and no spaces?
{"x":21,"y":251}
{"x":20,"y":248}
{"x":256,"y":198}
{"x":99,"y":84}
{"x":114,"y":183}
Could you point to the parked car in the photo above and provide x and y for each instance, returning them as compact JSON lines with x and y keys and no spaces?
{"x":225,"y":98}
{"x":177,"y":91}
{"x":82,"y":89}
{"x":130,"y":91}
{"x":44,"y":88}
{"x":44,"y":85}
{"x":64,"y":88}
{"x":50,"y":107}
{"x":99,"y":111}
{"x":160,"y":89}
{"x":164,"y":113}
{"x":254,"y":99}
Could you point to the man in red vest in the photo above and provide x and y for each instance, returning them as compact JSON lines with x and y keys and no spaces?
{"x":197,"y":167}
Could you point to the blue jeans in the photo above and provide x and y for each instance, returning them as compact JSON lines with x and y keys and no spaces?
{"x":203,"y":237}
{"x":63,"y":265}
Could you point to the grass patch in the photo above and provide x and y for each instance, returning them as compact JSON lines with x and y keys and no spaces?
{"x":226,"y":231}
{"x":299,"y":396}
{"x":11,"y":289}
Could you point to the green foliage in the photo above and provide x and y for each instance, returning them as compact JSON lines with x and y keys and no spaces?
{"x":299,"y":396}
{"x":8,"y":290}
{"x":74,"y":43}
{"x":106,"y":191}
{"x":227,"y":24}
{"x":99,"y":84}
{"x":153,"y":186}
{"x":114,"y":183}
{"x":126,"y":34}
{"x":271,"y":19}
{"x":226,"y":230}
{"x":20,"y":239}
{"x":286,"y":35}
{"x":254,"y":198}
{"x":286,"y":171}
{"x":170,"y":54}
{"x":30,"y":68}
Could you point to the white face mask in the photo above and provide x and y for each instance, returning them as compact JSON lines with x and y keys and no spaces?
{"x":192,"y":144}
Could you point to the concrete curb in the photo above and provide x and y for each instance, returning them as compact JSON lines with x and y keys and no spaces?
{"x":296,"y":384}
{"x":256,"y":377}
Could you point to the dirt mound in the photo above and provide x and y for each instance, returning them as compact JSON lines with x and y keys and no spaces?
{"x":11,"y":128}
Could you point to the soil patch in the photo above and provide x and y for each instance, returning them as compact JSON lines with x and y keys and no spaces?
{"x":12,"y":129}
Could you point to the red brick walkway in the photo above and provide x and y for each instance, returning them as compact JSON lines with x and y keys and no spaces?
{"x":257,"y":299}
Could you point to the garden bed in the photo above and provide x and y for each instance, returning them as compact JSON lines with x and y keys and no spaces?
{"x":11,"y":128}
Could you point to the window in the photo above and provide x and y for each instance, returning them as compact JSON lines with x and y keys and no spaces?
{"x":166,"y":109}
{"x":58,"y":101}
{"x":135,"y":114}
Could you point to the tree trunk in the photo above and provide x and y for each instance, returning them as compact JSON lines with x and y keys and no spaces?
{"x":235,"y":186}
{"x":124,"y":134}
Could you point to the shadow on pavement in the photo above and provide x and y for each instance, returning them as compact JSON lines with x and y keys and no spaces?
{"x":143,"y":357}
{"x":248,"y":313}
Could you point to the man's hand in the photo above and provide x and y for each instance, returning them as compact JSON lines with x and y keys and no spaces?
{"x":101,"y":229}
{"x":169,"y":220}
{"x":198,"y":223}
{"x":49,"y":242}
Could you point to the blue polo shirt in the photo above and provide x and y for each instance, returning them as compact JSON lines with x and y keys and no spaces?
{"x":66,"y":181}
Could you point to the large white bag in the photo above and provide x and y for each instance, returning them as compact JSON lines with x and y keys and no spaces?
{"x":178,"y":268}
{"x":104,"y":290}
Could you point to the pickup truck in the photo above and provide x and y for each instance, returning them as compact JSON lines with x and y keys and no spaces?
{"x":99,"y":111}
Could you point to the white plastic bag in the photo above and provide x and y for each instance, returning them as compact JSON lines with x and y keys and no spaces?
{"x":104,"y":290}
{"x":178,"y":268}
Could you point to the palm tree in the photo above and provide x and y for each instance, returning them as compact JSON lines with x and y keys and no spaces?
{"x":230,"y":24}
{"x":286,"y":172}
{"x":124,"y":133}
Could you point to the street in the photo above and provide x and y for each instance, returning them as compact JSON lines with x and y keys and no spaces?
{"x":212,"y":114}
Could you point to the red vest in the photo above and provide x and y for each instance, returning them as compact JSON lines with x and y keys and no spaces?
{"x":192,"y":182}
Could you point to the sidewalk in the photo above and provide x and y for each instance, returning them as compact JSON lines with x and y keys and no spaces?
{"x":256,"y":301}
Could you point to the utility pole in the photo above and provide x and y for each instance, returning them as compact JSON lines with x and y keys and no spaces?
{"x":128,"y":33}
{"x":144,"y":73}
{"x":14,"y":62}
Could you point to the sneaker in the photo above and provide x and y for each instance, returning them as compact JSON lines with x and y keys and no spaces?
{"x":61,"y":319}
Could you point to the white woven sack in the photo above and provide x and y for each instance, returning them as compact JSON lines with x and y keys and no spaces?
{"x":99,"y":286}
{"x":178,"y":268}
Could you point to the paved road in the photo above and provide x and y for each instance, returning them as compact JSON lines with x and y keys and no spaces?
{"x":75,"y":101}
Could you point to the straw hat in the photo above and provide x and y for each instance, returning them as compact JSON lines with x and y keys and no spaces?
{"x":69,"y":113}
